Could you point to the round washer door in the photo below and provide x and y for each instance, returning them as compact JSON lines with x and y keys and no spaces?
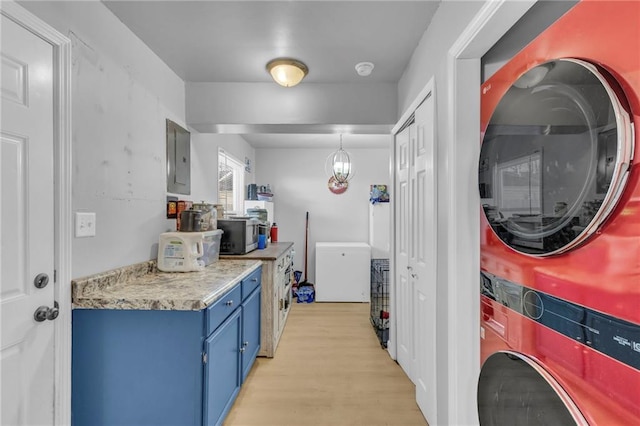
{"x":514,"y":390}
{"x":555,"y":157}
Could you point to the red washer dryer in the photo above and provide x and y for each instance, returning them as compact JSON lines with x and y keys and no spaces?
{"x":559,"y":181}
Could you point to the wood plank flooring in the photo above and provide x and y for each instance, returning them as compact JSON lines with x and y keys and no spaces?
{"x":329,"y":369}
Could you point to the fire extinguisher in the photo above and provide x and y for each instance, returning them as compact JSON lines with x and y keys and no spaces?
{"x":274,"y":233}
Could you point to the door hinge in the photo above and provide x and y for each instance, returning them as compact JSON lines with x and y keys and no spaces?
{"x":55,"y":276}
{"x":204,"y":357}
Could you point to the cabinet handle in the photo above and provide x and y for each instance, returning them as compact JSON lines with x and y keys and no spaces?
{"x":242,"y":349}
{"x":255,"y":280}
{"x":229,"y":302}
{"x":245,"y":344}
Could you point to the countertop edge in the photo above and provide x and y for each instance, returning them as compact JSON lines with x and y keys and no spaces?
{"x":272,"y":252}
{"x":208,"y":301}
{"x":104,"y":293}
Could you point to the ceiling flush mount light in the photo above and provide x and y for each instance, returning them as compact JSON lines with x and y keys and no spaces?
{"x":339,"y":165}
{"x":287,"y":72}
{"x":364,"y":68}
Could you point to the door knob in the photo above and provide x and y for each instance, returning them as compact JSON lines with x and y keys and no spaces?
{"x":46,"y":313}
{"x":53,"y":312}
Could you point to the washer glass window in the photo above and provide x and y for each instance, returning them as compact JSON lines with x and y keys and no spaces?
{"x":555,"y":157}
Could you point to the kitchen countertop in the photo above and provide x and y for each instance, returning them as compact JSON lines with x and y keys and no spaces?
{"x":143,"y":287}
{"x":272,"y":252}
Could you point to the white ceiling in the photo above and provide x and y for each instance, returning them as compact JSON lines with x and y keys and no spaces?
{"x":231,"y":41}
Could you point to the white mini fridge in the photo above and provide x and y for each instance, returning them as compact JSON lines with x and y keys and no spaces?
{"x":343,"y":272}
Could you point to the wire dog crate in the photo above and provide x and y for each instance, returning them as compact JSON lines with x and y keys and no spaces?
{"x":380,"y":299}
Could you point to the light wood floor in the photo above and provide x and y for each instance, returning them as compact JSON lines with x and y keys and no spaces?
{"x":329,"y":369}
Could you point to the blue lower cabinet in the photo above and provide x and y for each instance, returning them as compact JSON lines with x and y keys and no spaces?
{"x":231,"y":352}
{"x":222,"y":371}
{"x":136,"y":367}
{"x":163,"y":367}
{"x":250,"y":331}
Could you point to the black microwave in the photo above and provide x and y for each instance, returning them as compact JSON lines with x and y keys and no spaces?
{"x":239,"y":236}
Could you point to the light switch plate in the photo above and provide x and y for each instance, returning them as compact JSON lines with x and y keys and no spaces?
{"x":85,"y":224}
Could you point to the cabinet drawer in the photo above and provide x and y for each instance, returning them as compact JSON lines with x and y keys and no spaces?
{"x":222,"y":308}
{"x":250,"y":283}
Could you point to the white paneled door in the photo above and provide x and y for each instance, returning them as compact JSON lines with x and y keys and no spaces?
{"x":415,"y":254}
{"x":26,"y":227}
{"x":403,"y":232}
{"x":423,"y":258}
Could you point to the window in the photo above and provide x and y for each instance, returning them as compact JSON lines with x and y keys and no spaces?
{"x":230,"y":183}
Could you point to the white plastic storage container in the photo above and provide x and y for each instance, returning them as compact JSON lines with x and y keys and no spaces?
{"x":267,"y":205}
{"x":188,"y":251}
{"x":343,"y":272}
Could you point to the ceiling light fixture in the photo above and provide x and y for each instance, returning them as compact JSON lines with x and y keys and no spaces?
{"x":364,"y":68}
{"x":339,"y":165}
{"x":287,"y":72}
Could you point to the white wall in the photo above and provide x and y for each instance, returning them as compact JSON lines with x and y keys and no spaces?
{"x":122,"y":93}
{"x":299,"y":182}
{"x":204,"y":163}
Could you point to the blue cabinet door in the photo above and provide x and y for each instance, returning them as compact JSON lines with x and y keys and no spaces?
{"x":136,"y":367}
{"x":250,"y":331}
{"x":222,"y":371}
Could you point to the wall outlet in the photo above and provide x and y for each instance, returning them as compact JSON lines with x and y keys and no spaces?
{"x":85,"y":224}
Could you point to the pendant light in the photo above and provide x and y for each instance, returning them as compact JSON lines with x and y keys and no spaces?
{"x":287,"y":72}
{"x":340,"y":165}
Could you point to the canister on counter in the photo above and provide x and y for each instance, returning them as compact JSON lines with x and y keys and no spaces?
{"x":209,"y":216}
{"x":182,"y":205}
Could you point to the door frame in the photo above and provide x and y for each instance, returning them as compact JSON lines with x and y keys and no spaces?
{"x":62,"y":199}
{"x":458,"y":141}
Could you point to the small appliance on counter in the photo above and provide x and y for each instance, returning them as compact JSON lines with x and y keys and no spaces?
{"x":190,"y":221}
{"x":188,"y":251}
{"x":240,"y":235}
{"x":209,"y":216}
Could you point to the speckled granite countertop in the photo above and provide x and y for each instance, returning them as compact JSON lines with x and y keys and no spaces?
{"x":142,"y":286}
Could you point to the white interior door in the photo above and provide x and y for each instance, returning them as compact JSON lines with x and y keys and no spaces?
{"x":404,"y":290}
{"x":26,"y":226}
{"x":423,"y":259}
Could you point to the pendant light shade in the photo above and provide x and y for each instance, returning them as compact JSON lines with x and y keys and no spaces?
{"x":287,"y":72}
{"x":339,"y":165}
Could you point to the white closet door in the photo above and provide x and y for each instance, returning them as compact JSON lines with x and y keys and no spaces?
{"x":423,"y":259}
{"x":404,"y":290}
{"x":415,"y":254}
